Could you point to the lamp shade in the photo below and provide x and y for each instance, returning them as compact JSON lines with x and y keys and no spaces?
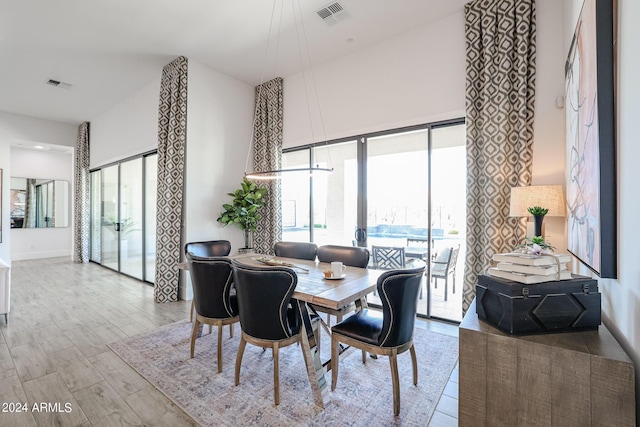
{"x":546,"y":196}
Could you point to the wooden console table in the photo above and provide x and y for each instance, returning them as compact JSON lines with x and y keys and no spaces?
{"x":563,"y":379}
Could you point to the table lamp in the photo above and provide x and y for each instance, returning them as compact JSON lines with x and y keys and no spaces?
{"x":537,"y":201}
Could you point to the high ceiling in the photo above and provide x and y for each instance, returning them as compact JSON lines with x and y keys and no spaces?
{"x":108,"y":49}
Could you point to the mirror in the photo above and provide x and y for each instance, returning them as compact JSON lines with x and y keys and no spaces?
{"x":39,"y":203}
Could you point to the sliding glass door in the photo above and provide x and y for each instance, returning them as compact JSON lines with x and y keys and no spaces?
{"x":123,"y":216}
{"x":403,"y":188}
{"x":329,"y":217}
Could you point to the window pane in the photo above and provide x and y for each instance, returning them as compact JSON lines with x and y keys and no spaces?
{"x":295,"y":198}
{"x":335,"y":195}
{"x":131,"y":218}
{"x":151,"y":193}
{"x":96,"y":197}
{"x":448,"y":214}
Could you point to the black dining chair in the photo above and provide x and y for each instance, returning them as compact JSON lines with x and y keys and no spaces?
{"x":386,"y":333}
{"x":206,"y":249}
{"x":269,"y":317}
{"x":353,"y":256}
{"x":212,"y":280}
{"x":298,"y":250}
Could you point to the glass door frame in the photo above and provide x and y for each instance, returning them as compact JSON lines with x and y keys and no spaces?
{"x":360,"y":236}
{"x":100,"y":169}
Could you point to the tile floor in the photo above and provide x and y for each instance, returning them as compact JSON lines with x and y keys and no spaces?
{"x":54,"y":349}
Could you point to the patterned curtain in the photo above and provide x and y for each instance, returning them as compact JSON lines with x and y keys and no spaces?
{"x":81,"y":207}
{"x":500,"y":91}
{"x":268,"y":156}
{"x":30,"y":204}
{"x":172,"y":134}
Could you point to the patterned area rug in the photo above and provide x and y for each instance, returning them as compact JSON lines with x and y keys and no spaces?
{"x":363,"y":396}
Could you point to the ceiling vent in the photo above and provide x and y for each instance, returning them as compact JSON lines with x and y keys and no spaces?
{"x":59,"y":84}
{"x":333,"y":13}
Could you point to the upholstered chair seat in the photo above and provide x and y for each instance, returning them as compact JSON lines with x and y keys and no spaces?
{"x":269,"y":316}
{"x":386,"y":333}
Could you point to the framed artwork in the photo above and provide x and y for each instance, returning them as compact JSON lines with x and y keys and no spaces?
{"x":590,"y":138}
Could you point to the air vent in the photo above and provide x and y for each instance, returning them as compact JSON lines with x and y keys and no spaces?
{"x":59,"y":84}
{"x":333,"y":13}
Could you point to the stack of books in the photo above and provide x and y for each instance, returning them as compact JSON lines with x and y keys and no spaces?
{"x":528,"y":269}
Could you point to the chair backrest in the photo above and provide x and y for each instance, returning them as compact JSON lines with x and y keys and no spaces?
{"x":348,"y":255}
{"x":264,"y":296}
{"x":398,"y":291}
{"x":209,"y":248}
{"x":299,"y":250}
{"x":418,"y":241}
{"x":212,"y":280}
{"x":445,"y":262}
{"x":387,"y":257}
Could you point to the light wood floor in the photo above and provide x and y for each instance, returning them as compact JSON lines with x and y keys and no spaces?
{"x":54,"y":350}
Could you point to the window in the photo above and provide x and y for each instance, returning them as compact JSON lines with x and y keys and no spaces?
{"x":386,"y":188}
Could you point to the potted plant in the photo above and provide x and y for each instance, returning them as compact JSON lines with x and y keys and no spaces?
{"x":243,"y":209}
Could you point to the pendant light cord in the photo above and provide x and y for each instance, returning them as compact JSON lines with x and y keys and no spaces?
{"x":313,"y":78}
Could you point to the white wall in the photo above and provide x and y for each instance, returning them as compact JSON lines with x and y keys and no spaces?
{"x":128,"y":129}
{"x":15,"y":129}
{"x":220,"y":111}
{"x":549,"y":131}
{"x":34,"y":243}
{"x":219,"y":114}
{"x":414,"y":78}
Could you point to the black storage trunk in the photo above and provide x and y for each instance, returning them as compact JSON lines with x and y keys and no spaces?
{"x":557,"y":306}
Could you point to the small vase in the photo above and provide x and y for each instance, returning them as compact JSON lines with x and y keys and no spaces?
{"x":537,"y":222}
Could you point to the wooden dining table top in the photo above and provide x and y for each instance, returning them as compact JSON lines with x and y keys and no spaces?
{"x":314,"y":288}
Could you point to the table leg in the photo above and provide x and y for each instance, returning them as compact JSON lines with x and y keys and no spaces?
{"x":311,"y":356}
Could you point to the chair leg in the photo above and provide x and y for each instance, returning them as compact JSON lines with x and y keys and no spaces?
{"x":335,"y":354}
{"x":194,"y":335}
{"x":231,"y":330}
{"x":453,"y":280}
{"x":414,"y":362}
{"x":219,"y":347}
{"x":241,"y":347}
{"x":395,"y":381}
{"x":193,"y":307}
{"x":446,"y":280}
{"x":276,"y":373}
{"x":364,"y":357}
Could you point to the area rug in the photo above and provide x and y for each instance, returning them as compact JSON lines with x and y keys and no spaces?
{"x":363,"y":396}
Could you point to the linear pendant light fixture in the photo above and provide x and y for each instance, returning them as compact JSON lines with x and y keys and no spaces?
{"x":277,"y":173}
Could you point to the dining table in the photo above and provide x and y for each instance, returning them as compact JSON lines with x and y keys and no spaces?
{"x":314,"y":288}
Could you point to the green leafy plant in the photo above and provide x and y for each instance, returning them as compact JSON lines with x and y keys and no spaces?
{"x":243,"y":209}
{"x":537,"y":210}
{"x":536,"y":245}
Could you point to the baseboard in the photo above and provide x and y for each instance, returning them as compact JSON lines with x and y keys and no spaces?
{"x":39,"y":255}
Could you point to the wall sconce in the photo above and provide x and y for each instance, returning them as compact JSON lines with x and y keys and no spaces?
{"x":549,"y":197}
